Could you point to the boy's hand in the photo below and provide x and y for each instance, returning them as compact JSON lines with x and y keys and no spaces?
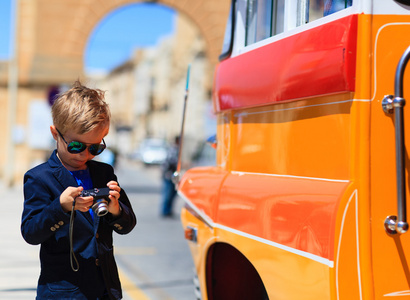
{"x":114,"y":207}
{"x":81,"y":203}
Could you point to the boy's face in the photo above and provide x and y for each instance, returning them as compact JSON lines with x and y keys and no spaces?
{"x":75,"y":162}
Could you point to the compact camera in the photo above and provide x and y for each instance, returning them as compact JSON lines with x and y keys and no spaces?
{"x":101,"y":200}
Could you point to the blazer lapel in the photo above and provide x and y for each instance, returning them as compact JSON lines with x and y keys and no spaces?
{"x":61,"y":173}
{"x":64,"y":177}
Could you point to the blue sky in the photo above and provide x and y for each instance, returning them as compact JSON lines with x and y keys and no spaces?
{"x":114,"y":38}
{"x":4,"y":29}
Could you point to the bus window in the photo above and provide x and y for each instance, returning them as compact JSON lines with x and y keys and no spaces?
{"x":279,"y":16}
{"x":258,"y":20}
{"x":332,"y":6}
{"x":310,"y":10}
{"x":264,"y":19}
{"x":315,"y":10}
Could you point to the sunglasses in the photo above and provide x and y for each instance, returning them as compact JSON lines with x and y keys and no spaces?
{"x":75,"y":147}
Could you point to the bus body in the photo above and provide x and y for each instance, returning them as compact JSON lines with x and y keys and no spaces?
{"x":306,"y":170}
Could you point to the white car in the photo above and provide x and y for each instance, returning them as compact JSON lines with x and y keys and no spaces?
{"x":152,"y":151}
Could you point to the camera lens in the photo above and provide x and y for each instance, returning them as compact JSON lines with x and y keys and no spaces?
{"x":100,"y":208}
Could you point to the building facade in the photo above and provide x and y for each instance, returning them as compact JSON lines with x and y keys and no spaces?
{"x":50,"y":41}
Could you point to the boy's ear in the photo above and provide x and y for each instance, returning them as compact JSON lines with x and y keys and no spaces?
{"x":54,"y":132}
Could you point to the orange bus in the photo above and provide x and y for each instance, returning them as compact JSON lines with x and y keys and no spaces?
{"x":307,"y":199}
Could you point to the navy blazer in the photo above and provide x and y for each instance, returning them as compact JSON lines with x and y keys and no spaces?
{"x":44,"y":222}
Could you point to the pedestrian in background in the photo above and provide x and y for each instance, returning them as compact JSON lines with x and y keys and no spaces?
{"x":168,"y":187}
{"x":81,"y":267}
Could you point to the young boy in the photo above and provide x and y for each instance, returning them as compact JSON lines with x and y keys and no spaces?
{"x":52,"y":191}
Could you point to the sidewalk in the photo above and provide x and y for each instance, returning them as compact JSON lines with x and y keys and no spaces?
{"x":19,"y":263}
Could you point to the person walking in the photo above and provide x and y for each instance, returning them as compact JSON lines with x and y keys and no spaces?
{"x":168,"y":187}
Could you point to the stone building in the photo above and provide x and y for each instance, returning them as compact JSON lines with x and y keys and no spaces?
{"x":50,"y":41}
{"x":146,"y":93}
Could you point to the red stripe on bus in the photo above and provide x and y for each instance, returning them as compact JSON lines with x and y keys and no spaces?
{"x":319,"y":61}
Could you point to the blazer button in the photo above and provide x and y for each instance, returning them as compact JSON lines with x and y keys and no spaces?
{"x":118,"y":226}
{"x":97,"y":235}
{"x":53,"y":228}
{"x":97,"y":262}
{"x":61,"y":223}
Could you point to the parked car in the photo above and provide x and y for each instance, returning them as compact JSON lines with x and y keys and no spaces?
{"x":152,"y":151}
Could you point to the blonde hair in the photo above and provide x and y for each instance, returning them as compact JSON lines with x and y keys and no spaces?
{"x":80,"y":109}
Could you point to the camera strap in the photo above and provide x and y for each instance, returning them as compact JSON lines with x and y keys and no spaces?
{"x":72,"y":254}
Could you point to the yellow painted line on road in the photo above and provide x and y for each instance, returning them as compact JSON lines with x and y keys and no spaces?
{"x":130,"y":288}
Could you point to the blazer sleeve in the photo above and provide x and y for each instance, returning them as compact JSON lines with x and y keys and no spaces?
{"x":126,"y":221}
{"x":42,"y":213}
{"x":101,"y":174}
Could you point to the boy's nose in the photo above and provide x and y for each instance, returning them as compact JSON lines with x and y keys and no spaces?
{"x":86,"y":154}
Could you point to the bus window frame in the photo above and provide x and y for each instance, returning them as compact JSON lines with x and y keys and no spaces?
{"x":290,"y":27}
{"x":237,"y":19}
{"x":302,"y":12}
{"x":231,"y":19}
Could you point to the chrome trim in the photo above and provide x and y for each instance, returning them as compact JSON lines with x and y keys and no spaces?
{"x":387,"y":104}
{"x":390,"y":224}
{"x":393,"y":224}
{"x":193,"y":211}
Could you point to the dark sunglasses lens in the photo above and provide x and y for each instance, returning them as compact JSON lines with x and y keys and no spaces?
{"x":76,"y":147}
{"x":96,"y":149}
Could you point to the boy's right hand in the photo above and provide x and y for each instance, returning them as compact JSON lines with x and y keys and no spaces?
{"x":81,"y":203}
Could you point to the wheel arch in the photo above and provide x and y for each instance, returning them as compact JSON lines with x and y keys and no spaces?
{"x":230,"y":275}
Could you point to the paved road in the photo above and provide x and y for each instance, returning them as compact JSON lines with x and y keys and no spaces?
{"x":155,"y":255}
{"x":154,"y":259}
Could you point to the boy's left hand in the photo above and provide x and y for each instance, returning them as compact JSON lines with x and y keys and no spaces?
{"x":114,"y":207}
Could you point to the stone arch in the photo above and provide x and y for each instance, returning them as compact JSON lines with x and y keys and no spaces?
{"x":51,"y":37}
{"x":53,"y":34}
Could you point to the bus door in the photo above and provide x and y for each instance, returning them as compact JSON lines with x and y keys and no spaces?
{"x":389,"y":239}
